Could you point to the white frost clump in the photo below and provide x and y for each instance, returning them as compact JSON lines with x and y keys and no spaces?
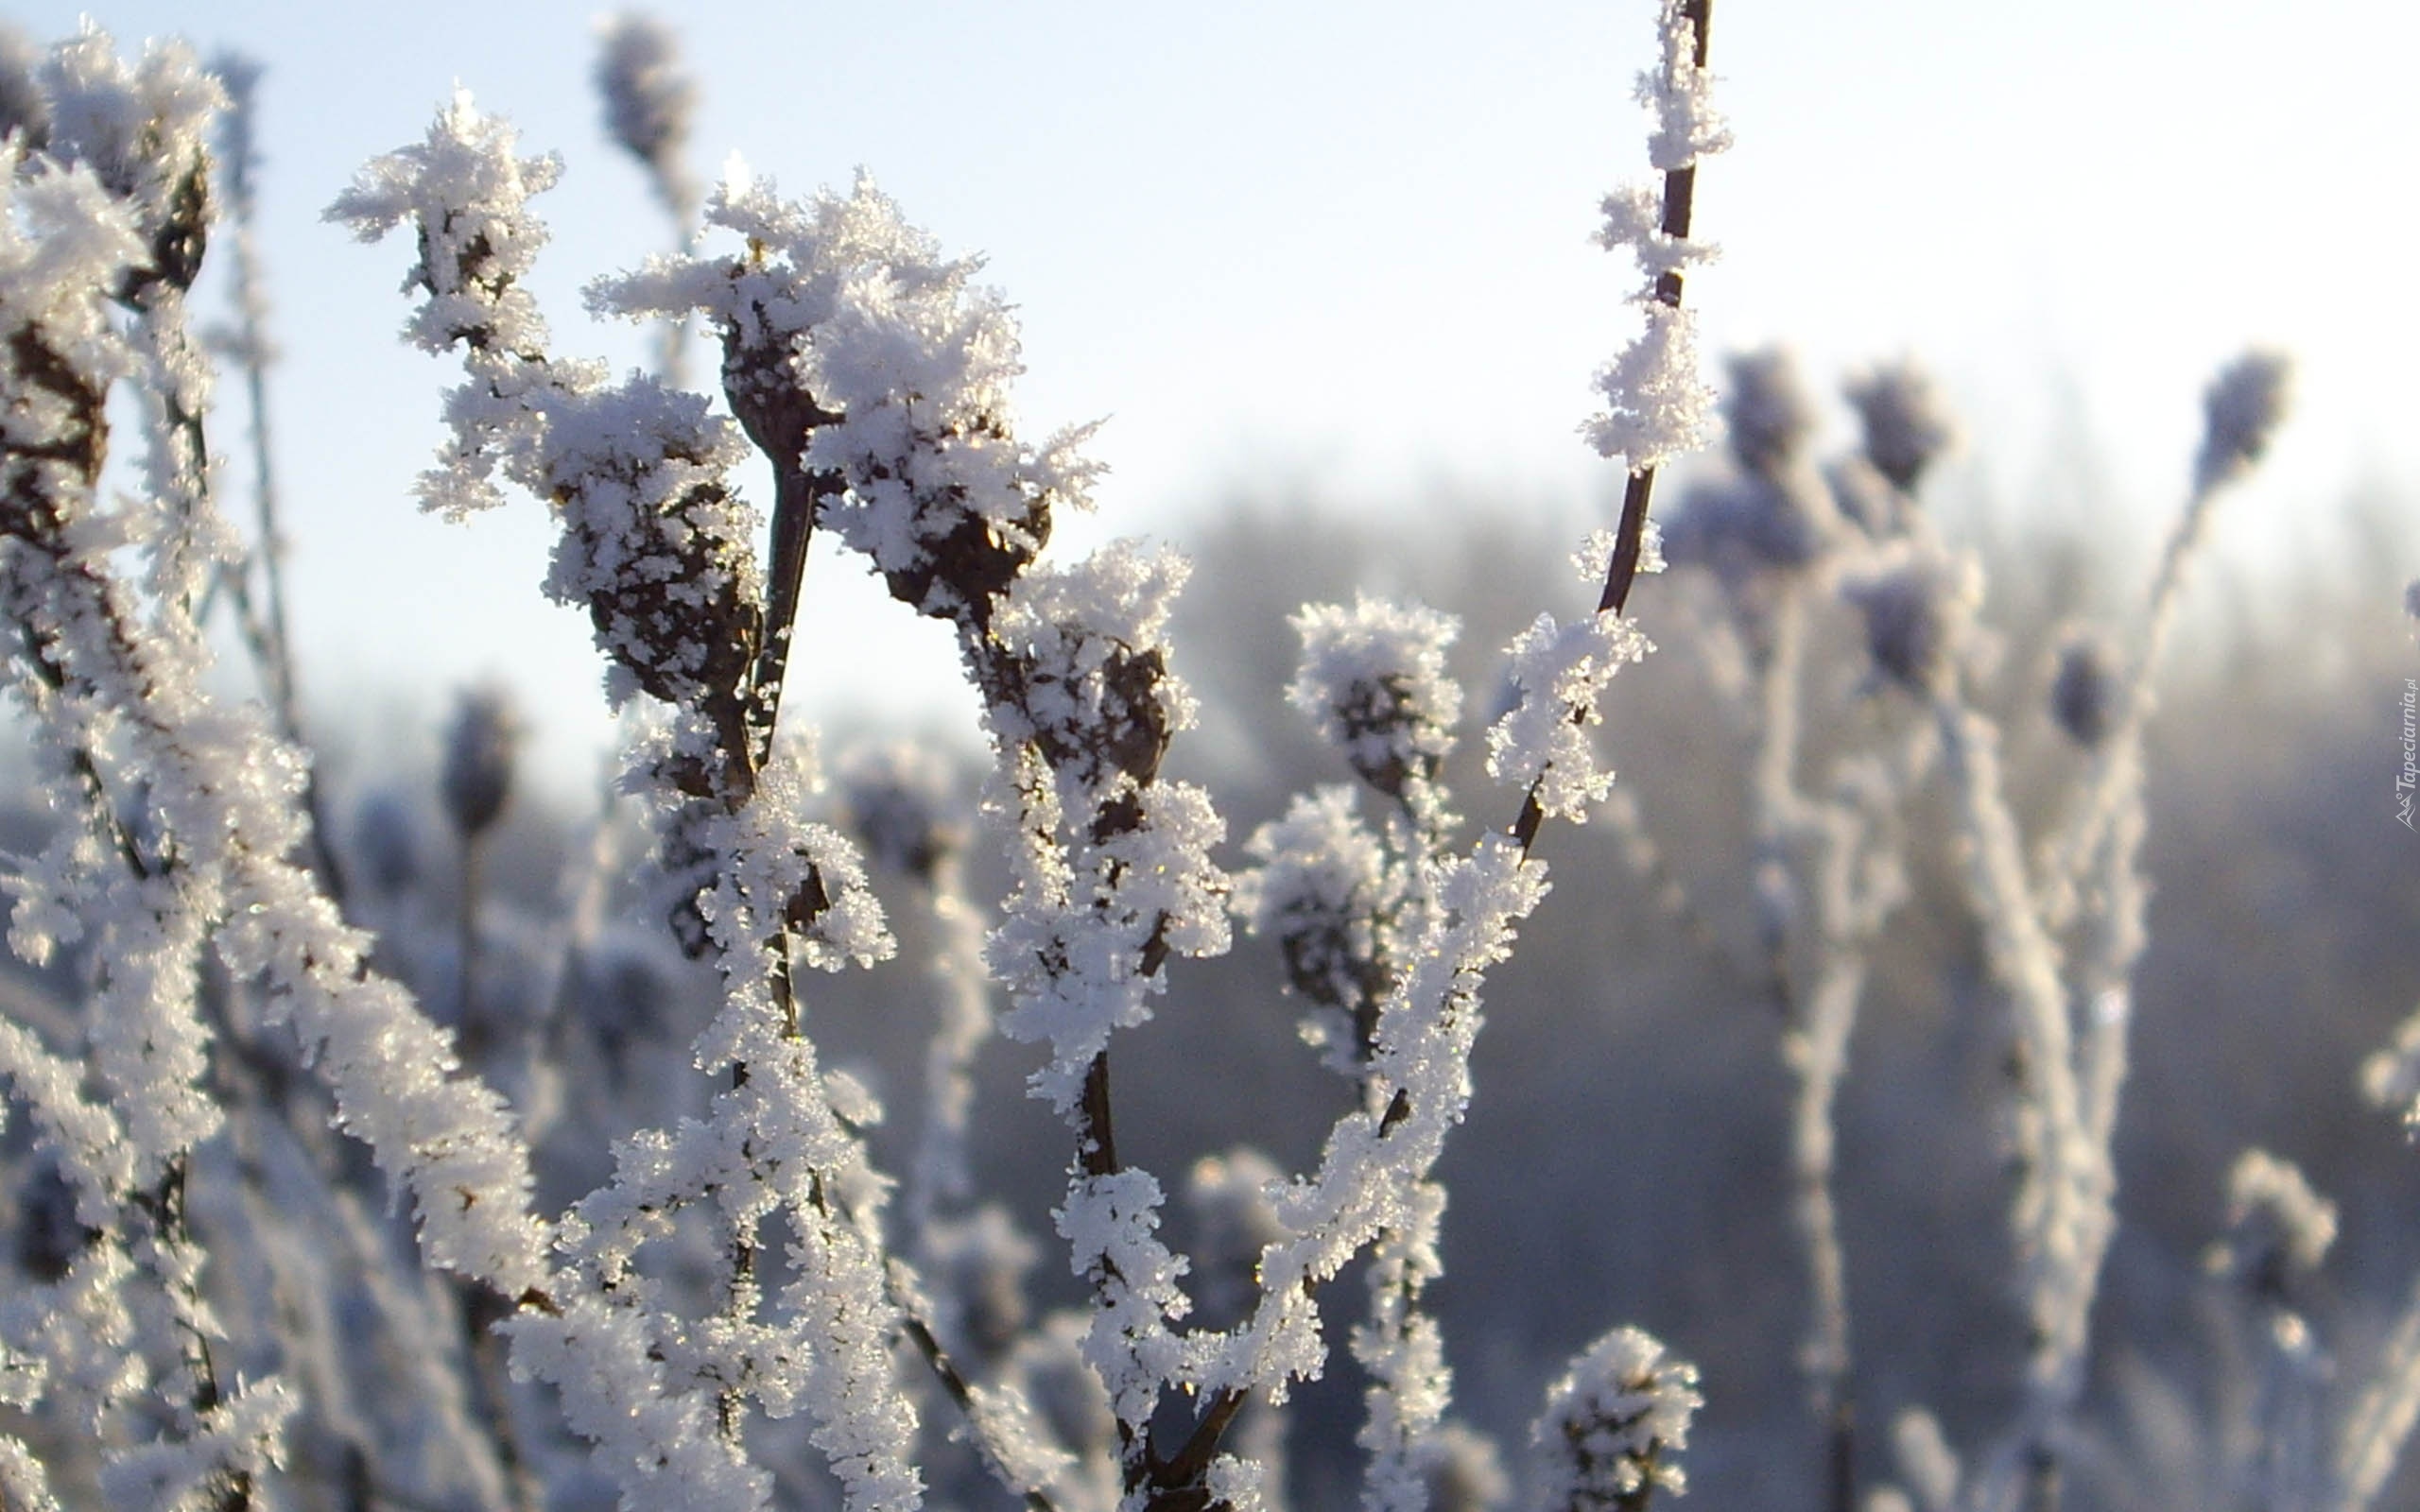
{"x":64,"y":241}
{"x":854,"y":349}
{"x":468,"y":193}
{"x":1613,"y":1424}
{"x":2277,"y":1225}
{"x":2391,"y":1077}
{"x":1688,"y":127}
{"x":1542,"y":743}
{"x":1091,"y":652}
{"x":1372,"y":680}
{"x":1111,"y":1224}
{"x":1074,"y":975}
{"x":1656,"y":406}
{"x":1925,"y":1461}
{"x":143,"y":130}
{"x":1322,"y":880}
{"x":1598,"y":548}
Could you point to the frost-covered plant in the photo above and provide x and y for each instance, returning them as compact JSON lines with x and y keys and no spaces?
{"x":2061,"y":927}
{"x":184,"y":815}
{"x":735,"y":1265}
{"x":2066,"y":964}
{"x":676,"y":1224}
{"x":1825,"y":863}
{"x":1611,"y":1424}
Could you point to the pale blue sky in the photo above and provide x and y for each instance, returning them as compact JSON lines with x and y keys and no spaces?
{"x":1345,"y":245}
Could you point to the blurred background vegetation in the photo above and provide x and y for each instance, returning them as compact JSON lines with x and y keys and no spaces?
{"x":1625,"y":1157}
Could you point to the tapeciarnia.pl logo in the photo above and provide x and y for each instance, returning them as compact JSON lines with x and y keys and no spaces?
{"x":2406,"y":779}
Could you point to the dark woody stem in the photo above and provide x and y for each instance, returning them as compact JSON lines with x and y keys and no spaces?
{"x":1680,"y":199}
{"x":797,"y":495}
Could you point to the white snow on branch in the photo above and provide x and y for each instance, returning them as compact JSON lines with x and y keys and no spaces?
{"x":1542,"y":743}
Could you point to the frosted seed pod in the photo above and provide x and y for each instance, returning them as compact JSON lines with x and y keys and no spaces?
{"x":479,"y":749}
{"x":1613,"y":1424}
{"x":649,"y":98}
{"x":1916,"y":607}
{"x":2242,"y":409}
{"x":2084,"y":693}
{"x":1767,"y":411}
{"x":1907,"y":423}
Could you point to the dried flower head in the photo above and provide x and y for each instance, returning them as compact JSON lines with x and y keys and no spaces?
{"x":2243,"y":407}
{"x":1766,"y":409}
{"x":649,"y":100}
{"x":1320,"y":890}
{"x":1907,"y":423}
{"x":1372,"y":680}
{"x":1916,"y":605}
{"x":476,"y":777}
{"x":1613,"y":1424}
{"x":2083,"y":693}
{"x":143,"y":129}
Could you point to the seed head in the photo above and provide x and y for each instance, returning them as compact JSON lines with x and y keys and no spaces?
{"x":1465,"y":1472}
{"x":1907,"y":423}
{"x":2084,"y":693}
{"x":1766,"y":409}
{"x":2243,"y":405}
{"x":479,"y":749}
{"x":1752,"y":522}
{"x":1613,"y":1423}
{"x":650,"y":99}
{"x":1917,"y":608}
{"x":1373,"y":679}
